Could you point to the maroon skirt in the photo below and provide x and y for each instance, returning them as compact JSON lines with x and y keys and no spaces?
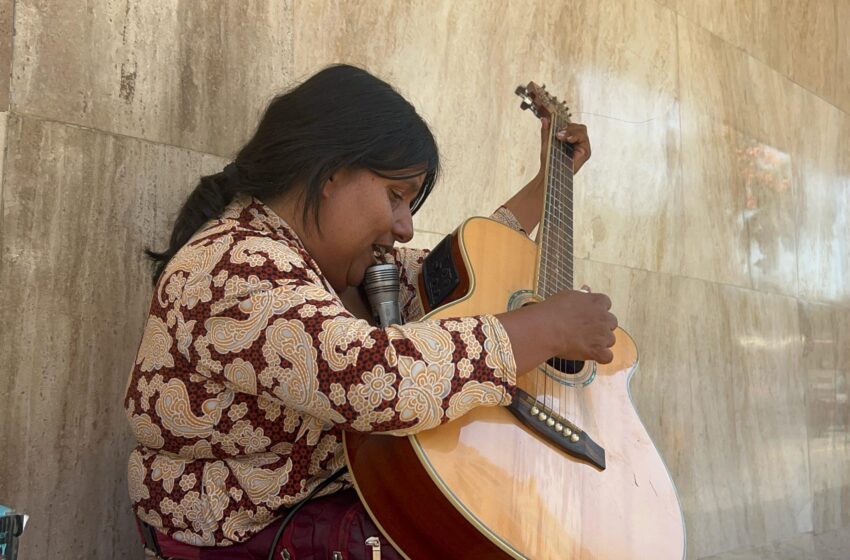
{"x":335,"y":523}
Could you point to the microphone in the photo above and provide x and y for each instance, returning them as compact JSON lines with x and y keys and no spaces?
{"x":381,"y":283}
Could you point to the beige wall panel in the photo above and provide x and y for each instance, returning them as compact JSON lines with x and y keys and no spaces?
{"x":7,"y":8}
{"x":748,"y":209}
{"x":722,"y":394}
{"x":186,"y":73}
{"x":613,"y":62}
{"x":826,"y":363}
{"x":78,"y":208}
{"x":827,"y":546}
{"x":737,"y":221}
{"x":841,"y":80}
{"x":823,"y":211}
{"x":4,"y":120}
{"x":721,"y":80}
{"x":797,"y":38}
{"x":629,"y":197}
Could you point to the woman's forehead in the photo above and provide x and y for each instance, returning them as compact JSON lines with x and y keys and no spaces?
{"x":412,"y":176}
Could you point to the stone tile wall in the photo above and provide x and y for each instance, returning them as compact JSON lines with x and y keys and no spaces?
{"x":714,"y":211}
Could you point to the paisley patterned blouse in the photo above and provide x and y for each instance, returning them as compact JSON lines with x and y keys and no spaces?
{"x":250,"y":368}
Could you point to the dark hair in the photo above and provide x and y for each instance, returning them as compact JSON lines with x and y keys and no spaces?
{"x":341,"y":117}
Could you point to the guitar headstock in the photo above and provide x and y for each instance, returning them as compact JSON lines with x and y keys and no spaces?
{"x":541,"y":103}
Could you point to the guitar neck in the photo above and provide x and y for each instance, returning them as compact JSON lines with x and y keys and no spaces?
{"x":555,"y":262}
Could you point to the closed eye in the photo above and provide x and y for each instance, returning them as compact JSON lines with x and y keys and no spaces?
{"x":396,"y":197}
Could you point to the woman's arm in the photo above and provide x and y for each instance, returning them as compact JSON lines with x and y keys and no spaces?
{"x":527,"y":204}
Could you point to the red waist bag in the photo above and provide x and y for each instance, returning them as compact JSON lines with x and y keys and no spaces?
{"x":336,"y":523}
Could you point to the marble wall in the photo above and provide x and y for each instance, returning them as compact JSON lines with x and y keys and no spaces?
{"x":715,"y":212}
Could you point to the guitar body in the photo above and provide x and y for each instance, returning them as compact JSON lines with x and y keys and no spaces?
{"x":485,"y":486}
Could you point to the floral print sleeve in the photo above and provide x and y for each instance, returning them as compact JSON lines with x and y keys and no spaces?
{"x":250,"y":368}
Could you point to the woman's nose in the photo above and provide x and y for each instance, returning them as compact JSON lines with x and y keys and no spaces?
{"x":403,"y":225}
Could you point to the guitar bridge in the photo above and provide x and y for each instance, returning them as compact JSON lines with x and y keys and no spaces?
{"x":559,"y":431}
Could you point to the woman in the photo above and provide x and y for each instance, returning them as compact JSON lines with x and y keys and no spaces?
{"x":256,"y":355}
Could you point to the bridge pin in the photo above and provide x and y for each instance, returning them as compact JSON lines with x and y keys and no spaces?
{"x":550,"y":422}
{"x":542,"y":416}
{"x":574,"y":438}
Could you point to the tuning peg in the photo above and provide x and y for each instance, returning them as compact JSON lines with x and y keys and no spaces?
{"x":521,"y":91}
{"x":524,"y":105}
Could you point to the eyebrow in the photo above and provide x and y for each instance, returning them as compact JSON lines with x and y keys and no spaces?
{"x":411,"y":184}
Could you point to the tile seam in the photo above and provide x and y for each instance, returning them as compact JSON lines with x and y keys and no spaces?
{"x":846,"y":111}
{"x":43,"y":118}
{"x":724,"y":284}
{"x":146,"y":141}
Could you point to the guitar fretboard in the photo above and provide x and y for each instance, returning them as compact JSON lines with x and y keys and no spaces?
{"x":555,"y":271}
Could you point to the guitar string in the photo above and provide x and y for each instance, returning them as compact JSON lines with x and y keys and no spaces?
{"x":556,"y":218}
{"x":557,"y":228}
{"x":566,"y":210}
{"x":545,"y":257}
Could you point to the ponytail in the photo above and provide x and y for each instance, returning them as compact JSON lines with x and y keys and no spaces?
{"x":207,"y":202}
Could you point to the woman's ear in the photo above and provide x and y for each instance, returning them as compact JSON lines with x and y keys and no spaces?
{"x":333,"y":183}
{"x":328,"y":187}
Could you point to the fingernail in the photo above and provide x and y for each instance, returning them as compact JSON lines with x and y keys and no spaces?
{"x":571,"y":139}
{"x":562,"y":134}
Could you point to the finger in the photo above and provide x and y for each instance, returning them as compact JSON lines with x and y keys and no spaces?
{"x":610,"y":339}
{"x":572,"y":138}
{"x":580,"y":146}
{"x":605,"y":357}
{"x":612,"y":321}
{"x":575,"y":133}
{"x":604,"y":300}
{"x":583,"y":148}
{"x":580,"y":156}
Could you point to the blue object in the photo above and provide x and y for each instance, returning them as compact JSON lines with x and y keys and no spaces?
{"x":11,"y":526}
{"x":3,"y":511}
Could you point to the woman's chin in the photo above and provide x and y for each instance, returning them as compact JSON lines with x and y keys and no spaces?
{"x":355,"y":279}
{"x":358,"y":272}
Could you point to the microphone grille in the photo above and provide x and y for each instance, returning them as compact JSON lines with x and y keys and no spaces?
{"x":381,"y":278}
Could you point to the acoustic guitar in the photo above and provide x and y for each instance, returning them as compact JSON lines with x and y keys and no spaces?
{"x":567,"y":471}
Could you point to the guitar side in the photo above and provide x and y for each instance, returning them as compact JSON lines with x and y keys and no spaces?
{"x":484,"y":486}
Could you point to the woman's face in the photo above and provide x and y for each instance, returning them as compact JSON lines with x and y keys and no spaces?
{"x":360,"y":211}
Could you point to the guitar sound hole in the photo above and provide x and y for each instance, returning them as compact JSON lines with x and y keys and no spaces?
{"x":569,"y":367}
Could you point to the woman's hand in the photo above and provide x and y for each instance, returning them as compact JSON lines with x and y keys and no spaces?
{"x":527,"y":204}
{"x":575,"y":325}
{"x":574,"y":134}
